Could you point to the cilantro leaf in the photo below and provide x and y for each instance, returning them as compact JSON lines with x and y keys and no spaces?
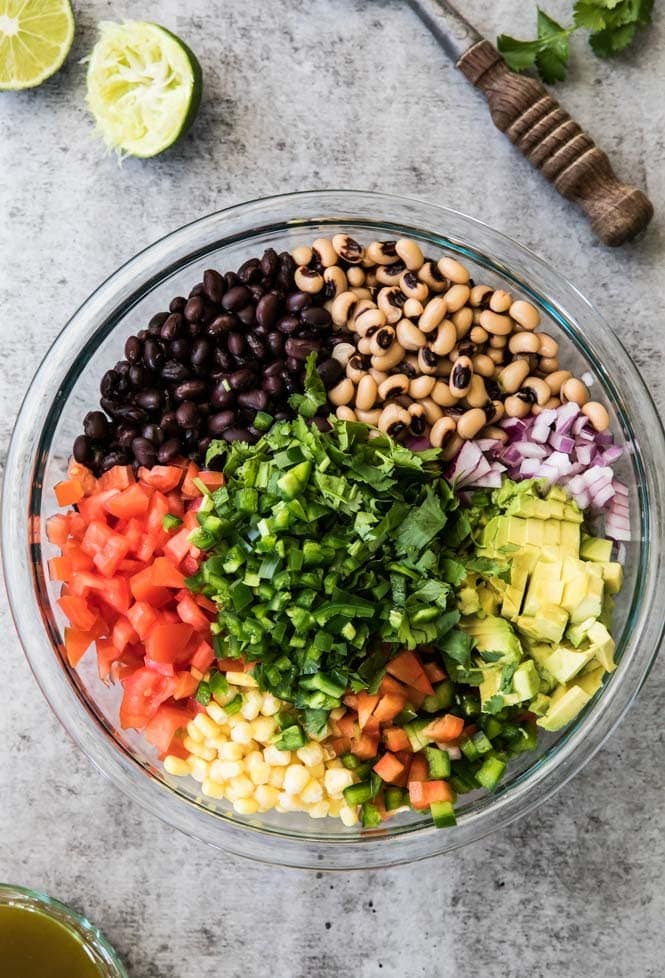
{"x":518,"y":55}
{"x":589,"y":15}
{"x":610,"y":41}
{"x":314,"y":397}
{"x":552,"y":59}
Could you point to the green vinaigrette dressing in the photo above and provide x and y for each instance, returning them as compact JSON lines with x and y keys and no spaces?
{"x":34,"y":945}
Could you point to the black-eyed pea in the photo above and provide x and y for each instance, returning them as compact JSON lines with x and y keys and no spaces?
{"x":382,"y":340}
{"x":495,"y":323}
{"x":442,"y":395}
{"x":390,"y":359}
{"x":394,"y":386}
{"x":525,"y":314}
{"x":463,"y":320}
{"x":477,"y":313}
{"x":548,"y":345}
{"x":378,"y":375}
{"x":343,"y":352}
{"x":524,"y":343}
{"x":308,"y":280}
{"x":457,"y":296}
{"x":476,"y":396}
{"x":428,"y":361}
{"x":410,"y":253}
{"x":363,"y":293}
{"x":429,"y":274}
{"x":342,"y":393}
{"x":483,"y":365}
{"x":348,"y":249}
{"x":432,"y":410}
{"x":555,"y":380}
{"x":371,"y":281}
{"x":302,"y":255}
{"x":574,"y":390}
{"x":390,"y":274}
{"x":342,"y":307}
{"x":535,"y":390}
{"x":390,"y":301}
{"x":497,"y":342}
{"x":553,"y":403}
{"x":494,"y":411}
{"x":368,"y":417}
{"x":480,"y":296}
{"x":324,"y":251}
{"x":421,"y":387}
{"x":355,"y":276}
{"x":515,"y":407}
{"x":418,"y":417}
{"x":382,"y":252}
{"x":367,"y":319}
{"x":364,"y":346}
{"x":453,"y":270}
{"x":442,"y":431}
{"x":409,"y":336}
{"x":412,"y":287}
{"x":452,"y":448}
{"x":470,"y":423}
{"x":445,"y":339}
{"x":394,"y":420}
{"x":366,"y":393}
{"x":433,"y":314}
{"x":597,"y":415}
{"x":478,"y":335}
{"x":335,"y":280}
{"x":496,"y":355}
{"x":412,"y":309}
{"x":356,"y":368}
{"x":460,"y":377}
{"x":549,"y":365}
{"x":494,"y":432}
{"x":513,"y":376}
{"x":345,"y":413}
{"x":500,"y":301}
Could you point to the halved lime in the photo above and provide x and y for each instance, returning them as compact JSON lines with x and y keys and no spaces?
{"x":35,"y":38}
{"x":144,"y":87}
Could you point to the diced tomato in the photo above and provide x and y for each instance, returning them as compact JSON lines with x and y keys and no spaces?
{"x":57,"y":529}
{"x":77,"y":642}
{"x":129,"y":662}
{"x":231,"y":665}
{"x":144,"y":692}
{"x":366,"y":705}
{"x":389,"y":768}
{"x":188,"y":489}
{"x":94,"y":507}
{"x":423,"y":793}
{"x":143,"y":589}
{"x":350,"y":700}
{"x":388,"y":707}
{"x":365,"y":746}
{"x":396,"y":739}
{"x":132,"y":532}
{"x":186,"y":685}
{"x":161,"y":730}
{"x":164,"y":573}
{"x":445,"y":728}
{"x":407,"y":668}
{"x":119,"y":477}
{"x":206,"y":603}
{"x":79,"y":560}
{"x":123,"y":634}
{"x":131,"y":502}
{"x":69,"y":492}
{"x":419,"y":770}
{"x":163,"y":668}
{"x":348,"y":725}
{"x":107,"y":654}
{"x":434,"y":672}
{"x":190,"y":612}
{"x":83,"y":475}
{"x":177,"y":546}
{"x":203,"y":657}
{"x":390,"y":685}
{"x":96,"y":537}
{"x":176,"y":504}
{"x":211,"y":480}
{"x":60,"y":568}
{"x":165,"y":642}
{"x":78,"y":611}
{"x":159,"y":508}
{"x":108,"y":559}
{"x":162,"y":477}
{"x":142,"y":617}
{"x":189,"y":565}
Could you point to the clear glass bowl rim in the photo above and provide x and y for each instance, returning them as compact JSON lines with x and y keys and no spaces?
{"x":184,"y":246}
{"x":91,"y":937}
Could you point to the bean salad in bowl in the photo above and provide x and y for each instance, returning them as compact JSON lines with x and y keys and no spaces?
{"x":343,"y":536}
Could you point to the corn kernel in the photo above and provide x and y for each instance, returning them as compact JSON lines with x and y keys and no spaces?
{"x":177,"y":766}
{"x":241,"y":732}
{"x":266,"y":796}
{"x":337,"y":713}
{"x":295,"y":778}
{"x":258,"y":771}
{"x":213,"y":789}
{"x":348,"y":815}
{"x":263,"y":728}
{"x":251,"y":708}
{"x":276,"y":757}
{"x":276,"y":779}
{"x":206,"y":725}
{"x":230,"y":751}
{"x":319,"y":810}
{"x":198,"y":768}
{"x":270,"y":705}
{"x":246,"y":806}
{"x":286,"y":803}
{"x":335,"y":806}
{"x":311,"y":793}
{"x":336,"y":780}
{"x":240,"y":787}
{"x":241,"y":679}
{"x":216,"y":713}
{"x":322,"y":734}
{"x":225,"y":770}
{"x":311,"y":754}
{"x":199,"y":749}
{"x":317,"y":771}
{"x":194,"y":732}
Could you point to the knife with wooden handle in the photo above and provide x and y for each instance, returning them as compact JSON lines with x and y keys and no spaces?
{"x":540,"y":128}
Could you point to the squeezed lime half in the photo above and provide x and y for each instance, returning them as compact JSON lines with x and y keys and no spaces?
{"x":35,"y":38}
{"x":144,"y":87}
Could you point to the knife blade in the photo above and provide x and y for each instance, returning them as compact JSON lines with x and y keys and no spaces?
{"x":522,"y":108}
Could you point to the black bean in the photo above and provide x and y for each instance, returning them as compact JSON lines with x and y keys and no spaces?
{"x":149,"y":399}
{"x":254,"y":400}
{"x":174,"y":371}
{"x":235,"y":343}
{"x":230,"y":280}
{"x":190,"y":390}
{"x":144,"y":452}
{"x":258,"y":289}
{"x":256,"y":346}
{"x":195,"y":329}
{"x":110,"y":404}
{"x":125,"y":437}
{"x":316,"y":317}
{"x":217,"y":423}
{"x":223,"y":359}
{"x":274,"y":369}
{"x":288,"y":324}
{"x":82,"y":450}
{"x":202,"y":446}
{"x":297,"y":301}
{"x":122,"y":368}
{"x":187,"y":415}
{"x":246,"y":315}
{"x":236,"y":298}
{"x":153,"y":354}
{"x":108,"y":383}
{"x":193,"y":309}
{"x":241,"y":380}
{"x":153,"y":433}
{"x":222,"y":396}
{"x":213,"y":285}
{"x":269,"y":262}
{"x":169,"y":423}
{"x":267,"y":310}
{"x":173,"y":327}
{"x":114,"y":457}
{"x":331,"y":372}
{"x":250,"y":271}
{"x":300,"y":349}
{"x":273,"y":386}
{"x":96,"y":426}
{"x":221,"y":324}
{"x":281,"y":416}
{"x":275,"y":343}
{"x":133,"y":349}
{"x":96,"y":460}
{"x":321,"y":423}
{"x":129,"y":414}
{"x":197,"y":290}
{"x":201,"y":351}
{"x":156,"y":323}
{"x":180,"y":349}
{"x":292,"y":366}
{"x":177,"y":304}
{"x":168,"y":451}
{"x":240,"y":434}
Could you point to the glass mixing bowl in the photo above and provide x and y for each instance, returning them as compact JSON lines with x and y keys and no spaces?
{"x":66,"y":387}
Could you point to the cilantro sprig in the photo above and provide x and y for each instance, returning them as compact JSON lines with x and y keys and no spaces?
{"x":613,"y":25}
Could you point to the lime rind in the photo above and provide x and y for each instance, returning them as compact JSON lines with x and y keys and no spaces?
{"x":144,"y":87}
{"x":35,"y":38}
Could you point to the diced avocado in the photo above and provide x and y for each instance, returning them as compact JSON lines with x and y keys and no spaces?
{"x":612,"y":576}
{"x":531,"y":506}
{"x":564,"y":708}
{"x":576,"y":634}
{"x":572,"y":568}
{"x":596,"y":548}
{"x":526,"y":681}
{"x":591,"y":604}
{"x":467,"y":601}
{"x":602,"y":646}
{"x":522,"y":565}
{"x":575,"y":590}
{"x":548,"y":625}
{"x":565,"y":663}
{"x":512,"y":602}
{"x":493,"y":634}
{"x":569,"y":542}
{"x":558,"y":493}
{"x":590,"y":682}
{"x":607,"y":610}
{"x":545,"y":587}
{"x":571,"y":513}
{"x":490,"y":689}
{"x":488,"y":600}
{"x":540,"y":704}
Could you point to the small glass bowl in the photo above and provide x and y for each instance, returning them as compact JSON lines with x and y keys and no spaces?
{"x":98,"y":948}
{"x":66,"y":387}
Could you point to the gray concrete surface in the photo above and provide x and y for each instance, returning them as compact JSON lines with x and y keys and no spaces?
{"x":300,"y":95}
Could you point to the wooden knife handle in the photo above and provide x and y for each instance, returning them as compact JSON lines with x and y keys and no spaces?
{"x":544,"y":132}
